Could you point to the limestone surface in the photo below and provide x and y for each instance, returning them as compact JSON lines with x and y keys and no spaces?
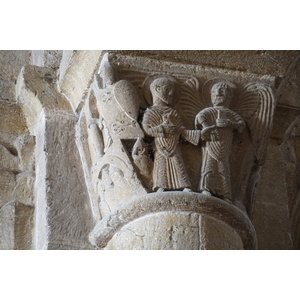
{"x":75,"y":159}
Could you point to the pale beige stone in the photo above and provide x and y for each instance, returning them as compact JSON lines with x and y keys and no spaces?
{"x":7,"y":186}
{"x":25,"y":146}
{"x":169,"y":231}
{"x":23,"y":227}
{"x":24,"y":188}
{"x":259,"y":62}
{"x":217,"y":235}
{"x":11,"y":63}
{"x":161,"y":210}
{"x":79,"y":72}
{"x":8,"y":160}
{"x":46,"y":58}
{"x":70,"y":182}
{"x":63,"y":214}
{"x":12,"y":120}
{"x":36,"y":90}
{"x":7,"y":222}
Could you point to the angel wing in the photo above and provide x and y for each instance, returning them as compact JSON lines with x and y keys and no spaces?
{"x":190,"y":101}
{"x":135,"y":77}
{"x":256,"y":107}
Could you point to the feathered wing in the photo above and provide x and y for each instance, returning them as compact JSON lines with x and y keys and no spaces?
{"x":190,"y":101}
{"x":135,"y":77}
{"x":256,"y":107}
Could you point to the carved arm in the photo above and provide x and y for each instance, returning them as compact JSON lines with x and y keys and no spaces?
{"x":154,"y":131}
{"x":192,"y":136}
{"x":239,"y":125}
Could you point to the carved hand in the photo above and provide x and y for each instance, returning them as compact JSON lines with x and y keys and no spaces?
{"x":171,"y":129}
{"x":208,"y":132}
{"x":241,"y":125}
{"x":223,"y":123}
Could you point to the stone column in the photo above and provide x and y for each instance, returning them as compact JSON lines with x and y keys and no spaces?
{"x":63,"y":216}
{"x":175,"y":221}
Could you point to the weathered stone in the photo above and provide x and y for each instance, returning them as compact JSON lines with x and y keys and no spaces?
{"x":12,"y":120}
{"x":24,"y":188}
{"x":289,"y":88}
{"x":68,"y":213}
{"x":18,"y":187}
{"x":7,"y":222}
{"x":217,"y":235}
{"x":72,"y":165}
{"x":46,"y":58}
{"x":11,"y":63}
{"x":8,"y":160}
{"x":25,"y":146}
{"x":36,"y":89}
{"x":271,"y":214}
{"x":169,"y":231}
{"x":176,"y":231}
{"x":140,"y":210}
{"x":256,"y":61}
{"x":16,"y":226}
{"x":63,"y":214}
{"x":7,"y":90}
{"x":81,"y":66}
{"x":24,"y":226}
{"x":7,"y":186}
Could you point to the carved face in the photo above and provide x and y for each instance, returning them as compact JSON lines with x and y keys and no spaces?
{"x":163,"y":89}
{"x":220,"y":94}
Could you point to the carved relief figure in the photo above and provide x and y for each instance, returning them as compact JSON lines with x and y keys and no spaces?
{"x":143,"y":162}
{"x":218,"y":124}
{"x":164,"y":124}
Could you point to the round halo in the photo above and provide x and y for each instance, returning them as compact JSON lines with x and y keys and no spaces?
{"x":147,"y":82}
{"x":210,"y":83}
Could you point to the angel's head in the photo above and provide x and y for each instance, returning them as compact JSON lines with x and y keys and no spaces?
{"x":163,"y":90}
{"x":221,"y":94}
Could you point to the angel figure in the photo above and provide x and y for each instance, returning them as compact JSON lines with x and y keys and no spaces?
{"x":231,"y":163}
{"x":218,"y":124}
{"x":164,"y":124}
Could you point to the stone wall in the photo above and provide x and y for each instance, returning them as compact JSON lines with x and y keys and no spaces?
{"x":17,"y":147}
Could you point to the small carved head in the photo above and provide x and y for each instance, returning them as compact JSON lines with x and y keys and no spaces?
{"x":139,"y":148}
{"x":163,"y":89}
{"x":221,"y":94}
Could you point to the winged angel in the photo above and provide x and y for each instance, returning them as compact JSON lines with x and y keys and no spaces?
{"x":229,"y":159}
{"x":164,"y":124}
{"x":251,"y":114}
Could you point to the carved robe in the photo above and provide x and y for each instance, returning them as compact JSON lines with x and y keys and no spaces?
{"x":169,"y":169}
{"x":215,"y":171}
